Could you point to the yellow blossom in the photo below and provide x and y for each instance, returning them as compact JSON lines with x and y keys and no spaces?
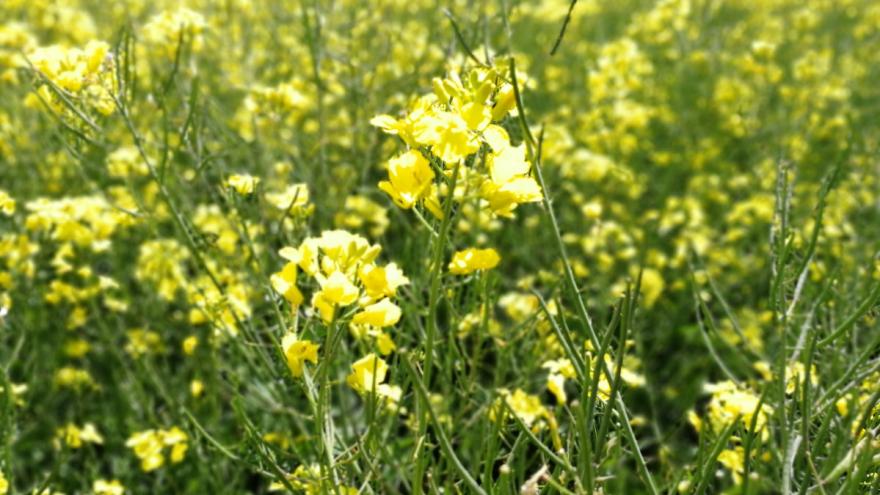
{"x":149,"y":446}
{"x":7,"y":204}
{"x":381,"y":281}
{"x":366,"y":373}
{"x":409,"y":179}
{"x":527,"y":407}
{"x":196,"y":388}
{"x":284,"y":282}
{"x":243,"y":184}
{"x":189,"y":345}
{"x":381,"y":314}
{"x":472,"y":259}
{"x":74,"y":436}
{"x":105,"y":487}
{"x":509,"y":183}
{"x":297,"y":352}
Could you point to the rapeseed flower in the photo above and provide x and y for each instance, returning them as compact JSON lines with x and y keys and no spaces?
{"x":472,"y":259}
{"x":297,"y":352}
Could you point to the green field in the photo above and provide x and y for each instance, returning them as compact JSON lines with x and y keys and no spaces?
{"x":440,"y":247}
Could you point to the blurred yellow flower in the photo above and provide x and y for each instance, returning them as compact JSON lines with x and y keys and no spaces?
{"x":243,"y":184}
{"x":7,"y":204}
{"x":472,"y":259}
{"x":149,"y":446}
{"x":104,"y":487}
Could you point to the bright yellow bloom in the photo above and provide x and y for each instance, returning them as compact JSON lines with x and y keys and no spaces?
{"x":385,"y":344}
{"x":177,"y":440}
{"x":74,"y":436}
{"x":731,"y":403}
{"x":305,"y":256}
{"x":104,"y":487}
{"x":345,"y":252}
{"x":149,"y":446}
{"x":448,"y":134}
{"x":196,"y":388}
{"x":509,"y":182}
{"x":7,"y":204}
{"x":4,"y":484}
{"x":189,"y":345}
{"x":243,"y":184}
{"x":381,"y":281}
{"x":409,"y":179}
{"x":381,"y":314}
{"x":338,"y":289}
{"x":472,"y":259}
{"x":284,"y":282}
{"x":560,"y":369}
{"x":297,"y":352}
{"x":734,"y":461}
{"x":366,"y":373}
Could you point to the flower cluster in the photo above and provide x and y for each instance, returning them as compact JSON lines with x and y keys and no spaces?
{"x":343,"y":265}
{"x":86,"y":75}
{"x":150,"y":447}
{"x":445,"y":131}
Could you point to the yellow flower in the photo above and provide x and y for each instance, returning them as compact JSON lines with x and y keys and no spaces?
{"x":472,"y":259}
{"x":189,"y":345}
{"x":294,"y":200}
{"x":652,"y":286}
{"x":734,"y":461}
{"x":476,"y":115}
{"x":104,"y":487}
{"x":149,"y":445}
{"x":409,"y":179}
{"x":338,"y":289}
{"x":305,"y":256}
{"x":243,"y":184}
{"x":509,"y":182}
{"x":366,"y":373}
{"x":7,"y":204}
{"x":527,"y":407}
{"x":284,"y":282}
{"x":381,"y":281}
{"x":731,"y":403}
{"x":74,"y":436}
{"x":448,"y":134}
{"x":381,"y":314}
{"x":344,"y":251}
{"x":196,"y":388}
{"x":556,"y":386}
{"x":385,"y":344}
{"x":4,"y":484}
{"x":143,"y":342}
{"x":298,"y":352}
{"x":560,"y":369}
{"x":177,"y":440}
